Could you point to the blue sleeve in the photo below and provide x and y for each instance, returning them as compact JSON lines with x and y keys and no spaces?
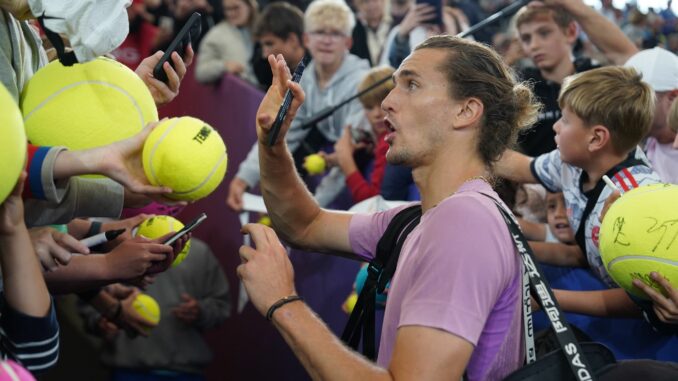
{"x":396,"y":182}
{"x":31,"y":341}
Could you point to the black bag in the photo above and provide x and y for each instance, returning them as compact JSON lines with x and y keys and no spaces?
{"x":379,"y":272}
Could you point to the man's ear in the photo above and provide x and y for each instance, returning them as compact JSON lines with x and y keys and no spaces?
{"x":599,"y":136}
{"x":468,"y":113}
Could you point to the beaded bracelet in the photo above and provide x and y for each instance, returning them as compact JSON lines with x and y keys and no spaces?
{"x":281,"y":302}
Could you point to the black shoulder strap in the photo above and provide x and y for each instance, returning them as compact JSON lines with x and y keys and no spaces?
{"x":576,"y":359}
{"x":379,"y":273}
{"x":66,"y":58}
{"x":593,"y":195}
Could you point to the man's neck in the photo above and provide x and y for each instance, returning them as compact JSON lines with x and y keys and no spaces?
{"x":558,"y":73}
{"x":445,"y":176}
{"x":326,"y":72}
{"x":600,"y":166}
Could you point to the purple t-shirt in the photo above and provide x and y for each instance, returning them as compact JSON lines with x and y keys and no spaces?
{"x":458,"y":271}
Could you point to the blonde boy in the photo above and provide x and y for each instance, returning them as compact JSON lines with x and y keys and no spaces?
{"x":606,"y":112}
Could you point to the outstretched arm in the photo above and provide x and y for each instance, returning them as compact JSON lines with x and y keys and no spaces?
{"x":294,"y":213}
{"x":559,"y":254}
{"x":24,"y":286}
{"x":515,"y":166}
{"x":604,"y":303}
{"x":420,"y":353}
{"x":603,"y":33}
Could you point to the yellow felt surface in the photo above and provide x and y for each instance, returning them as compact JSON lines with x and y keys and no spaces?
{"x":85,"y":105}
{"x":13,"y":138}
{"x":147,"y":307}
{"x":187,"y":155}
{"x":640,"y":234}
{"x":158,"y":226}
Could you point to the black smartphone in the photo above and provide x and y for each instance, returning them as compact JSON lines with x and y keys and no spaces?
{"x":438,"y":6}
{"x":188,"y":34}
{"x":287,"y":100}
{"x":186,"y":229}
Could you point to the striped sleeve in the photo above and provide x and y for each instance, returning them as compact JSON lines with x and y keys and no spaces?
{"x":31,"y":341}
{"x":547,"y":169}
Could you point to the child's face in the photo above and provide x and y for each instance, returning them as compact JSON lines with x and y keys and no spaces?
{"x":327,"y":45}
{"x":571,"y":138}
{"x":556,"y":216}
{"x":545,"y":42}
{"x":375,"y":115}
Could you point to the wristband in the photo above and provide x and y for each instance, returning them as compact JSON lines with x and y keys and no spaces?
{"x":94,"y":229}
{"x":281,"y":302}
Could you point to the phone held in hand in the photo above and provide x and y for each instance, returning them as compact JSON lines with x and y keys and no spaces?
{"x":438,"y":6}
{"x":188,"y":34}
{"x":287,"y":100}
{"x":186,"y":229}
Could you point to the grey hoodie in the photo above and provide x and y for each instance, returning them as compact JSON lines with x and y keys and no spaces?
{"x":343,"y":84}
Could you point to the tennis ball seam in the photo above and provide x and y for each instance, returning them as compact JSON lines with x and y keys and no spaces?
{"x":626,"y":198}
{"x":644,"y":257}
{"x":206,"y":179}
{"x":155,"y":147}
{"x":72,"y":85}
{"x":167,"y":131}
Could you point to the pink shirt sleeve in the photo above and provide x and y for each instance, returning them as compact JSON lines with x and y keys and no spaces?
{"x":366,"y":229}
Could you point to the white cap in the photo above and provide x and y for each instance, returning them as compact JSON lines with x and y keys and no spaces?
{"x":93,"y":28}
{"x":658,"y":66}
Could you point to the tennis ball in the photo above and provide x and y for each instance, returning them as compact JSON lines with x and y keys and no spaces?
{"x":639,"y":235}
{"x":158,"y":226}
{"x":85,"y":105}
{"x":147,"y":307}
{"x":187,"y":155}
{"x":314,"y":164}
{"x":350,"y":302}
{"x":265,"y":220}
{"x":13,"y":138}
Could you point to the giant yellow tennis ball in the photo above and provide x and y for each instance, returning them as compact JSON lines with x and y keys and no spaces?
{"x":314,"y":164}
{"x":187,"y":155}
{"x":158,"y":226}
{"x":147,"y":307}
{"x":13,"y":138}
{"x":85,"y":105}
{"x":639,"y":235}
